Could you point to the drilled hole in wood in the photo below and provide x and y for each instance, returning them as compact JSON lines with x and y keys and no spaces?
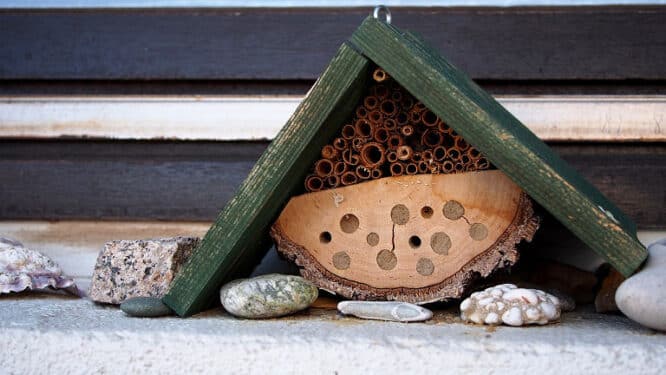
{"x":400,"y":214}
{"x":453,"y":210}
{"x":427,"y":212}
{"x":373,"y":239}
{"x":414,"y":242}
{"x":349,"y":223}
{"x":440,"y":243}
{"x":325,"y":237}
{"x":386,"y":260}
{"x":425,"y":267}
{"x":341,"y":260}
{"x":478,"y":232}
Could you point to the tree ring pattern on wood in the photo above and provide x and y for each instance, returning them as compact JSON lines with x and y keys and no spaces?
{"x":372,"y":239}
{"x":453,"y":210}
{"x":349,"y":223}
{"x":341,"y":260}
{"x":386,"y":260}
{"x":440,"y":243}
{"x":425,"y":267}
{"x":400,"y":214}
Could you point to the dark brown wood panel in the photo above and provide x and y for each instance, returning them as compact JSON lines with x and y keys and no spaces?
{"x":193,"y":180}
{"x":571,"y":43}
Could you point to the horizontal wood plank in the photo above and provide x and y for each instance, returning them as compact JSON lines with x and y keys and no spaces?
{"x":193,"y":180}
{"x":531,"y":43}
{"x":552,"y":118}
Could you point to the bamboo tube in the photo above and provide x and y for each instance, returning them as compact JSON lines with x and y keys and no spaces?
{"x":363,"y":128}
{"x":407,"y":130}
{"x":381,"y":91}
{"x":391,"y":156}
{"x":453,"y":154}
{"x":459,"y":167}
{"x":402,"y":118}
{"x":381,"y":135}
{"x":357,"y":143}
{"x":429,"y":118}
{"x":329,"y":152}
{"x":431,"y":138}
{"x":388,"y":108}
{"x":397,"y":169}
{"x":372,"y":154}
{"x":376,"y":173}
{"x":423,"y":167}
{"x":434,"y":167}
{"x":397,"y":96}
{"x":473,"y":153}
{"x":462,"y":144}
{"x":395,"y":141}
{"x":323,"y":167}
{"x":390,"y":124}
{"x":465,"y":159}
{"x":470,"y":167}
{"x":414,"y":116}
{"x":333,"y":181}
{"x":340,"y":144}
{"x":482,"y":163}
{"x":361,"y":112}
{"x":416,"y":157}
{"x":362,"y":172}
{"x":419,"y":107}
{"x":427,"y":155}
{"x":314,"y":183}
{"x":349,"y":157}
{"x":407,"y":102}
{"x":340,"y":168}
{"x":404,"y":152}
{"x":411,"y":168}
{"x":448,"y":141}
{"x":379,"y":75}
{"x":348,"y":178}
{"x":442,"y":127}
{"x":375,"y":116}
{"x":348,"y":132}
{"x":370,"y":102}
{"x":447,"y":166}
{"x":439,"y":153}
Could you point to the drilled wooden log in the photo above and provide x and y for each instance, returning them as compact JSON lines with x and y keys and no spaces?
{"x":419,"y":239}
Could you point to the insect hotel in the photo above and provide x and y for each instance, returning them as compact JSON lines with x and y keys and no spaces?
{"x":398,"y":178}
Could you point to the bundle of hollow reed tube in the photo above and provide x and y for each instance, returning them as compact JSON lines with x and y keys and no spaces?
{"x":391,"y":134}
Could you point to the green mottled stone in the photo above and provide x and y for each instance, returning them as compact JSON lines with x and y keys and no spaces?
{"x":268,"y":296}
{"x":145,"y":307}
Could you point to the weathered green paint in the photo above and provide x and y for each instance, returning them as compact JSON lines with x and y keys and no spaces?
{"x":513,"y":148}
{"x":239,"y":237}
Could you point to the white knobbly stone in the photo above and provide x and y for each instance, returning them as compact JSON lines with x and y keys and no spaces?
{"x":642,"y":297}
{"x":508,"y":304}
{"x":24,"y":269}
{"x":385,"y":310}
{"x":138,"y":268}
{"x":267,"y":296}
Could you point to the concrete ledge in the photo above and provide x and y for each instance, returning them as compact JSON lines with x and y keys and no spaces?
{"x":52,"y":334}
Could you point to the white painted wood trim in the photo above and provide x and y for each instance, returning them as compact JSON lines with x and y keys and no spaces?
{"x":553,"y":118}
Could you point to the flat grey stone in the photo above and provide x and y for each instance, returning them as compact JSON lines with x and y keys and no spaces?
{"x":268,"y":296}
{"x":642,"y":297}
{"x":145,"y":307}
{"x":140,"y":268}
{"x":385,"y":310}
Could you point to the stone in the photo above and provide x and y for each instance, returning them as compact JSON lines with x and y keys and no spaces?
{"x":145,"y":307}
{"x":642,"y":297}
{"x":268,"y":296}
{"x":385,"y":310}
{"x":513,"y":306}
{"x":138,"y":268}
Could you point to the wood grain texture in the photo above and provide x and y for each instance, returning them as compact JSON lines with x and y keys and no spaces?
{"x":505,"y":141}
{"x":239,"y":237}
{"x":69,"y":179}
{"x":418,"y":239}
{"x":593,"y":43}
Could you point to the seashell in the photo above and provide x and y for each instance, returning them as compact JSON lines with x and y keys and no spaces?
{"x":380,"y":310}
{"x":510,"y":305}
{"x":22,"y":268}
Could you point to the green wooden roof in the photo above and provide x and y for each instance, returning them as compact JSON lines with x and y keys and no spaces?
{"x":239,"y":237}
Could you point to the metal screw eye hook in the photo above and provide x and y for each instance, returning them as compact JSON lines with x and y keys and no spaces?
{"x":379,"y":9}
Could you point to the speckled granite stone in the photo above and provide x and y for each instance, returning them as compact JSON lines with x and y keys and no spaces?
{"x":140,"y":268}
